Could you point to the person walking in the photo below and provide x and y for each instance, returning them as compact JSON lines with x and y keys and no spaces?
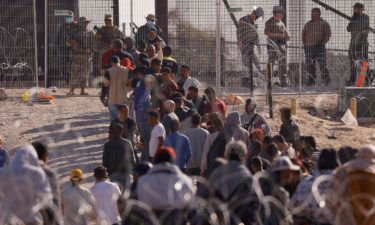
{"x":118,"y":156}
{"x":105,"y":195}
{"x":315,"y":35}
{"x":157,"y":134}
{"x":116,"y":78}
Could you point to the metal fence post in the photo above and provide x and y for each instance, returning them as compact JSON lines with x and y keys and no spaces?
{"x":45,"y":42}
{"x":35,"y":45}
{"x":269,"y":89}
{"x":300,"y":46}
{"x":217,"y":52}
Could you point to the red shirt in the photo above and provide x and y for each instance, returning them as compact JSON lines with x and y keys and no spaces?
{"x":106,"y":56}
{"x":216,"y":105}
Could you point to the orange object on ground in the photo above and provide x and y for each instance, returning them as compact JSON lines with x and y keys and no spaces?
{"x":44,"y":96}
{"x":362,"y":74}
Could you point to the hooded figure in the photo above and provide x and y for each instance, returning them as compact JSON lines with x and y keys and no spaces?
{"x":24,"y":188}
{"x":354,"y":191}
{"x":234,"y":131}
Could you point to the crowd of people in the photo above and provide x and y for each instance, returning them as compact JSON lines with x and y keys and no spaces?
{"x":175,"y":155}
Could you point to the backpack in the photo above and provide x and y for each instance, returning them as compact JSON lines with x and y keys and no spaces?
{"x":250,"y":125}
{"x":216,"y":150}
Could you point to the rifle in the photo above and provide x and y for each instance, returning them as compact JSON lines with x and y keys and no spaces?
{"x":104,"y":36}
{"x":337,"y":12}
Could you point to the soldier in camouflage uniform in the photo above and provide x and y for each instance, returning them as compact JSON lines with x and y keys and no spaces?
{"x":105,"y":36}
{"x":66,"y":31}
{"x":248,"y":38}
{"x":80,"y":55}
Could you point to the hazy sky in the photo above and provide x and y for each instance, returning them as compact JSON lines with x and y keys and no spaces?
{"x":141,"y":8}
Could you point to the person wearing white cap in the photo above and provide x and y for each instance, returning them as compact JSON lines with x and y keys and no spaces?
{"x":278,"y":36}
{"x":150,"y":25}
{"x":247,"y":37}
{"x":287,"y":174}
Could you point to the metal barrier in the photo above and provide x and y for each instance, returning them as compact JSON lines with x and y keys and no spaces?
{"x":202,"y":34}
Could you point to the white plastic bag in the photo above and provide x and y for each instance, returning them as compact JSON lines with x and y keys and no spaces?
{"x":348,"y":119}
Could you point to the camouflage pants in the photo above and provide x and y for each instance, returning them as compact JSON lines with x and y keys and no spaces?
{"x":79,"y":73}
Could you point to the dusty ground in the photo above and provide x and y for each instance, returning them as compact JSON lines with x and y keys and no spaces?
{"x":76,"y":127}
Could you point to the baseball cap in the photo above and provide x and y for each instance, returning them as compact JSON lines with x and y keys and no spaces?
{"x":278,"y":9}
{"x":259,"y":12}
{"x":151,"y":17}
{"x":108,"y":17}
{"x":284,"y":163}
{"x":83,"y":20}
{"x":166,"y":150}
{"x":76,"y":174}
{"x":359,"y":5}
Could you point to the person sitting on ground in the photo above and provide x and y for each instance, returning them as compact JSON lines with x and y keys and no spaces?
{"x":4,"y":157}
{"x":77,"y":201}
{"x":232,"y":182}
{"x":271,"y":153}
{"x":197,"y":137}
{"x":170,"y":115}
{"x":181,"y":111}
{"x":157,"y":134}
{"x":180,"y":143}
{"x":116,"y":78}
{"x":168,"y":60}
{"x":199,"y":101}
{"x":256,"y":149}
{"x":168,"y":85}
{"x":118,"y":156}
{"x":24,"y":188}
{"x":289,"y":129}
{"x":256,"y":165}
{"x":43,"y":151}
{"x":346,"y":154}
{"x":285,"y":148}
{"x":286,"y":173}
{"x":251,"y":119}
{"x":165,"y":187}
{"x":106,"y":195}
{"x":214,"y":104}
{"x":128,"y":124}
{"x":186,"y":80}
{"x":310,"y":211}
{"x":233,"y":130}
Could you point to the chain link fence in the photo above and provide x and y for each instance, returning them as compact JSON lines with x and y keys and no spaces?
{"x":192,"y":31}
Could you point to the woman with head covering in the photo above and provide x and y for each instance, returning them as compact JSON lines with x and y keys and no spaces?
{"x":234,"y":131}
{"x":24,"y":188}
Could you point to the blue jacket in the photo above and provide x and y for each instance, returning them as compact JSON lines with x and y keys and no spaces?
{"x":181,"y":145}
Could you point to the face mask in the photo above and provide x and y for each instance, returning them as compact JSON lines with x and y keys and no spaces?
{"x":150,"y":22}
{"x":69,"y":19}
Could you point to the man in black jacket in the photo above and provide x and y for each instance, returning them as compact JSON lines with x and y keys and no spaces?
{"x":358,"y":50}
{"x":118,"y":156}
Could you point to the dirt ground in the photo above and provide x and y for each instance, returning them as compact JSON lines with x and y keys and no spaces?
{"x":76,"y":127}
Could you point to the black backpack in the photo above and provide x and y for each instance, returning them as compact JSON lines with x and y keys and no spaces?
{"x":216,"y":150}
